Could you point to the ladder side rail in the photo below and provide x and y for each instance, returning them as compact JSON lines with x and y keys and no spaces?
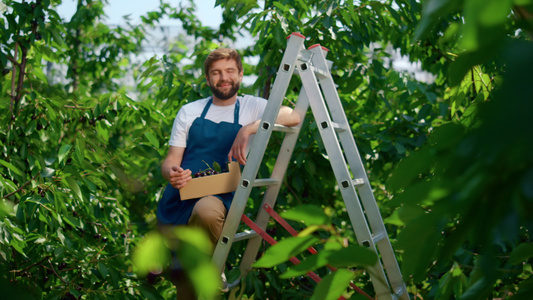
{"x":257,"y":150}
{"x":271,"y":194}
{"x":384,"y":245}
{"x":348,"y":143}
{"x":365,"y":191}
{"x":343,"y":176}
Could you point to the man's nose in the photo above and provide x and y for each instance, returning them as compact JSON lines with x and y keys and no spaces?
{"x":223,"y":75}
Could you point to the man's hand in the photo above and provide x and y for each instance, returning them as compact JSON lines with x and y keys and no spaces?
{"x":179,"y":177}
{"x":238,"y":149}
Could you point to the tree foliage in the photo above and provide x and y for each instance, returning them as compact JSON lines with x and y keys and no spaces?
{"x":449,"y":158}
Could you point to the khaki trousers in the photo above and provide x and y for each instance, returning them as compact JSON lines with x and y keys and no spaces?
{"x":209,"y":213}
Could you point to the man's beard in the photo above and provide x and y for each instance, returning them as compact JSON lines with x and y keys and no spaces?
{"x":225,"y":95}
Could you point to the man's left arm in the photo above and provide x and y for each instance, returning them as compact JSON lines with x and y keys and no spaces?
{"x":286,"y":116}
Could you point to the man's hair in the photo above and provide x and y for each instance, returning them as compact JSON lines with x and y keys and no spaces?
{"x":222,"y":53}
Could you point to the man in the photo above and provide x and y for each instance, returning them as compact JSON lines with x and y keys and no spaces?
{"x":214,"y":129}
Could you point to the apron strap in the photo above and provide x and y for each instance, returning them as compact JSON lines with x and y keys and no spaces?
{"x":236,"y":111}
{"x":206,"y":108}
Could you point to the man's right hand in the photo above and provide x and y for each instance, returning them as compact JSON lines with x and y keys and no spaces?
{"x":179,"y":177}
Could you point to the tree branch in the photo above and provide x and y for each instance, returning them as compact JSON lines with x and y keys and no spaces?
{"x":22,"y":73}
{"x":13,"y":78}
{"x":19,"y":189}
{"x":13,"y":60}
{"x":31,"y":266}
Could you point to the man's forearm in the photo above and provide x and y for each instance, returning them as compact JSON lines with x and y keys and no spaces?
{"x":252,"y":127}
{"x":165,"y":170}
{"x":288,"y":117}
{"x":173,"y":159}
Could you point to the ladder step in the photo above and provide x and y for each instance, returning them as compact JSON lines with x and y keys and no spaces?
{"x":338,"y":127}
{"x":358,"y":182}
{"x":265,"y":182}
{"x":305,"y":56}
{"x":399,"y":291}
{"x":319,"y":73}
{"x":247,"y":234}
{"x":378,"y":237}
{"x":234,"y":284}
{"x":282,"y":128}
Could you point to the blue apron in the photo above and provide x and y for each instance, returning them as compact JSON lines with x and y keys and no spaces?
{"x":207,"y":142}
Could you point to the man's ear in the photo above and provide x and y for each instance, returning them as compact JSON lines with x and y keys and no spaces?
{"x":207,"y":80}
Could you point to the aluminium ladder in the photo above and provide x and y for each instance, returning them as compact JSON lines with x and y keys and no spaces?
{"x":317,"y":84}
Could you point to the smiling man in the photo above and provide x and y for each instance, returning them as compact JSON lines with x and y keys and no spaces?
{"x":213,"y":129}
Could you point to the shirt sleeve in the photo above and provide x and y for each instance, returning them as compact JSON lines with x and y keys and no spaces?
{"x":260,"y":107}
{"x":255,"y":107}
{"x":178,"y":136}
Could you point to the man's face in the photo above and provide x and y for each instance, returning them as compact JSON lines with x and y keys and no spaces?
{"x":224,"y":78}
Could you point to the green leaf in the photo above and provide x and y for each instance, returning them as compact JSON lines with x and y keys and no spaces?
{"x":284,"y":250}
{"x":279,"y":35}
{"x":149,"y":70}
{"x":74,"y":187}
{"x":153,"y":140}
{"x":79,"y":153}
{"x":311,"y":263}
{"x":521,"y":253}
{"x":195,"y":237}
{"x":47,"y":172}
{"x":151,"y":254}
{"x":19,"y":246}
{"x":494,"y":12}
{"x":103,"y":269}
{"x":149,"y":292}
{"x":57,"y":37}
{"x":420,"y":244}
{"x":333,"y":285}
{"x":11,"y":167}
{"x":481,"y":289}
{"x":431,"y":13}
{"x":74,"y":222}
{"x":525,"y":290}
{"x":350,"y":256}
{"x":6,"y":208}
{"x":206,"y":279}
{"x":216,"y":167}
{"x":308,"y":214}
{"x":63,"y":152}
{"x":194,"y":253}
{"x":353,"y":255}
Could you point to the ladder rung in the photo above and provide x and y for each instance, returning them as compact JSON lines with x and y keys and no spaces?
{"x":247,"y":234}
{"x":234,"y":284}
{"x":305,"y":56}
{"x":378,"y":237}
{"x":282,"y":128}
{"x":358,"y":182}
{"x":338,"y":127}
{"x":399,"y":291}
{"x":320,"y":73}
{"x":266,"y":181}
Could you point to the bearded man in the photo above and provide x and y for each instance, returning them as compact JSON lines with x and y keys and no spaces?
{"x":214,"y":129}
